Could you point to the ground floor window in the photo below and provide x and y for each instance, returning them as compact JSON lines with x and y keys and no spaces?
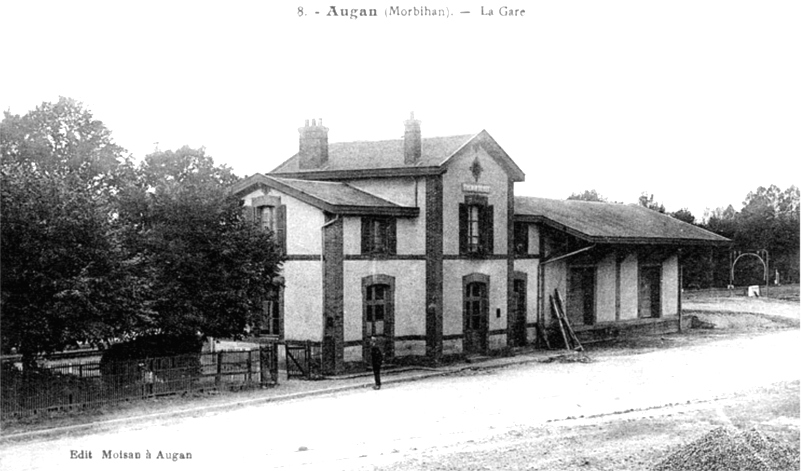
{"x":375,"y":308}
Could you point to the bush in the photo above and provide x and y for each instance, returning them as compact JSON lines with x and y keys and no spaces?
{"x":152,"y":358}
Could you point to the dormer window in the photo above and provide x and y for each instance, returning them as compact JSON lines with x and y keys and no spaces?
{"x":269,"y":214}
{"x":266,"y":217}
{"x":378,"y":236}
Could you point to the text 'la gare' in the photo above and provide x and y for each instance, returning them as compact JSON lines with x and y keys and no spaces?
{"x":503,"y":11}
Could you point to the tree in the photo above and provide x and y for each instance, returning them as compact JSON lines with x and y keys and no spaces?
{"x":685,"y":215}
{"x":59,"y":139}
{"x":722,"y":221}
{"x":96,"y":247}
{"x":647,"y":201}
{"x":62,"y":279}
{"x":210,"y":268}
{"x":770,"y":220}
{"x":587,"y":195}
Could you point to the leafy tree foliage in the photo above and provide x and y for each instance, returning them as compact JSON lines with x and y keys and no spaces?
{"x":769,"y":219}
{"x":647,"y":201}
{"x":723,"y":221}
{"x":61,"y":138}
{"x":95,"y":247}
{"x":685,"y":215}
{"x":63,"y":278}
{"x":587,"y":195}
{"x":208,"y":266}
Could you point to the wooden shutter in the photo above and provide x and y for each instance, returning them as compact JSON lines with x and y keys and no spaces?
{"x":389,"y":319}
{"x":366,"y":233}
{"x":392,"y":236}
{"x":280,"y":227}
{"x":484,"y":318}
{"x":520,"y":243}
{"x":248,"y":213}
{"x":487,"y":233}
{"x":462,"y":228}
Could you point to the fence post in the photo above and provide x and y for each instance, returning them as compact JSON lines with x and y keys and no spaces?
{"x":261,"y":365}
{"x":274,"y":363}
{"x":249,"y":377}
{"x":218,"y":376}
{"x":308,"y":360}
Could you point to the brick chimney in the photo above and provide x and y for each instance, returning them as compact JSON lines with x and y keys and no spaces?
{"x":412,"y":142}
{"x":313,"y":145}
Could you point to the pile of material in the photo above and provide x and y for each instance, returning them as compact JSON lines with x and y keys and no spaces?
{"x":576,"y":357}
{"x":728,"y":449}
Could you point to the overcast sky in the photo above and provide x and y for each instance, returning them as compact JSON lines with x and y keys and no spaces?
{"x":697,"y":102}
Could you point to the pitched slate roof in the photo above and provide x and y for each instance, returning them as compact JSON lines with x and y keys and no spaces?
{"x":334,"y":197}
{"x":386,"y":157}
{"x":612,"y":223}
{"x":380,"y":154}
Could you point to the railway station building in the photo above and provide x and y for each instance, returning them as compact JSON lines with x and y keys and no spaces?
{"x":423,"y":243}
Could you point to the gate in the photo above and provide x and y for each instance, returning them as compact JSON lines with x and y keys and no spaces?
{"x":303,"y":360}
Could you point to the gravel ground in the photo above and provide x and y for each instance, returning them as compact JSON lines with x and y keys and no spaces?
{"x":628,"y":405}
{"x":727,"y":449}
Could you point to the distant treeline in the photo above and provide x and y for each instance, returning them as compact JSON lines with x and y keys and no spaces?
{"x":768,"y":221}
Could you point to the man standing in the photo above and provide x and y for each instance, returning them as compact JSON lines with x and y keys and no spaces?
{"x":377,"y":358}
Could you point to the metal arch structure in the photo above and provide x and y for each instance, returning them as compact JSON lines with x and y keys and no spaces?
{"x":763,"y":257}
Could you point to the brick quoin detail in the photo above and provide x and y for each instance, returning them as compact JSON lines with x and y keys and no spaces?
{"x":434,"y":226}
{"x":333,"y":296}
{"x":510,"y":262}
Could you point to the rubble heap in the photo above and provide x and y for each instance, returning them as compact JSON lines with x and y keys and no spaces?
{"x":728,"y":449}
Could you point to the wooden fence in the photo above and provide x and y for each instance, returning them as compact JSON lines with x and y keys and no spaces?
{"x":88,"y":382}
{"x":304,"y":360}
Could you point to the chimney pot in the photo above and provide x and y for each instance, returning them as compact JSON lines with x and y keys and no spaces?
{"x":313,"y":152}
{"x":412,"y":141}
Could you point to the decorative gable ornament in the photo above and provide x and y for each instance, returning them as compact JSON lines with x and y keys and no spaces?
{"x":476,"y":169}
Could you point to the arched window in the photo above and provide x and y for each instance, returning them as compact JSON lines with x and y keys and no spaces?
{"x":376,"y":303}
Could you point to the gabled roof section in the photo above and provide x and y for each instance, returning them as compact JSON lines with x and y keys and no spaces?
{"x":369,"y":159}
{"x":613,"y":223}
{"x":495,"y":151}
{"x":333,"y":197}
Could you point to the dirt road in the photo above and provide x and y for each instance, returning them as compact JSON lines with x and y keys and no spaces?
{"x":624,"y":410}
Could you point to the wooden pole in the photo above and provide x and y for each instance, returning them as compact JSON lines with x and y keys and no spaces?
{"x":559,"y":321}
{"x":568,"y":327}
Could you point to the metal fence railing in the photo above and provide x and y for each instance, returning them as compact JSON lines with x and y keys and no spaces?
{"x":88,"y":382}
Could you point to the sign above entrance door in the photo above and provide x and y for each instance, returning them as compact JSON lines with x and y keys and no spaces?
{"x":476,"y":188}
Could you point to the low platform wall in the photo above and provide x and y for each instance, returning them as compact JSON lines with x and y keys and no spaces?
{"x":610,"y":330}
